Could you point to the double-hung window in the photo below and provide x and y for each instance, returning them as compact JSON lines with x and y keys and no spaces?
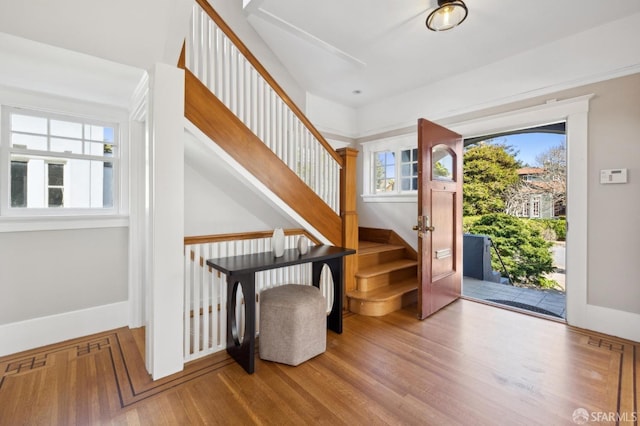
{"x":58,"y":164}
{"x":390,"y":170}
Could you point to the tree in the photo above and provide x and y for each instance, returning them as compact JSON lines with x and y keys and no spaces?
{"x":489,"y":170}
{"x":525,"y":253}
{"x":554,"y":163}
{"x":551,"y":180}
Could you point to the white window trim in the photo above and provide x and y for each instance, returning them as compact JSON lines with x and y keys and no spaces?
{"x":535,"y":206}
{"x":43,"y":219}
{"x":395,"y":144}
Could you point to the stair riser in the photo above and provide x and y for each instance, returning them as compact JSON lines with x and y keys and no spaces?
{"x":377,"y":309}
{"x":372,"y":283}
{"x":371,"y":259}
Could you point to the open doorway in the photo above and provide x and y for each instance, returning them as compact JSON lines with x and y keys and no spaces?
{"x":514,"y":219}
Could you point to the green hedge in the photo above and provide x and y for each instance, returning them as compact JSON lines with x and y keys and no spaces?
{"x":557,"y":226}
{"x":524,"y":251}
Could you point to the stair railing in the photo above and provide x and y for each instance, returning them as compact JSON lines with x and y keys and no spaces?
{"x":504,"y":267}
{"x":205,"y":290}
{"x":219,"y":59}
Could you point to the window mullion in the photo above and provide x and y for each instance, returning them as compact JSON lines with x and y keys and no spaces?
{"x":398,"y":171}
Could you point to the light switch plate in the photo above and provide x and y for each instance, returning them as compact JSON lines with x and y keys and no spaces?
{"x":613,"y":176}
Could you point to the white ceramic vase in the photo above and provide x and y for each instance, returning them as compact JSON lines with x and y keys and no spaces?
{"x":303,"y":246}
{"x":277,"y":242}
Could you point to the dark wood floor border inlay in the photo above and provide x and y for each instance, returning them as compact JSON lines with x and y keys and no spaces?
{"x":622,"y":347}
{"x":603,"y":343}
{"x":130,"y":388}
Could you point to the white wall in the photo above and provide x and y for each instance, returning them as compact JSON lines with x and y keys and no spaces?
{"x":63,"y":277}
{"x":51,"y":272}
{"x":165,"y":215}
{"x":331,"y":117}
{"x":58,"y":285}
{"x":225,"y":206}
{"x":217,"y":201}
{"x":614,"y":210}
{"x":577,"y":60}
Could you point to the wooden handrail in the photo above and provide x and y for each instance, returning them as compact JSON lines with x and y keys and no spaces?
{"x":204,"y":239}
{"x":265,"y":74}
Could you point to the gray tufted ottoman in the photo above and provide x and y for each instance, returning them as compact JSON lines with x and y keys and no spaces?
{"x":293,"y":323}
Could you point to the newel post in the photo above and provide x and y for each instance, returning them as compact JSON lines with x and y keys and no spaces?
{"x":349,"y":216}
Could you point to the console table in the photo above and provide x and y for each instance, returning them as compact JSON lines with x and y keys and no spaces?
{"x":240,"y":271}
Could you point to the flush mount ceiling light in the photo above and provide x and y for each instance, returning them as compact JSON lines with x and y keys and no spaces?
{"x":449,"y":14}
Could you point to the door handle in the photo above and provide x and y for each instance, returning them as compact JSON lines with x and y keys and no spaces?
{"x":423,"y":225}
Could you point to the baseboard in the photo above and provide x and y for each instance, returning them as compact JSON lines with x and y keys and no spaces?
{"x":33,"y":333}
{"x":608,"y":321}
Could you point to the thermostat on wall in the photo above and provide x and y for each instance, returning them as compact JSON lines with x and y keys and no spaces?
{"x":613,"y":176}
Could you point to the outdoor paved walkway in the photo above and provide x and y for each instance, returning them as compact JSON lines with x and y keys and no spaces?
{"x":549,"y":300}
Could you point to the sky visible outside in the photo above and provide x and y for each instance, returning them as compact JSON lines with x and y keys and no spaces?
{"x":530,"y":145}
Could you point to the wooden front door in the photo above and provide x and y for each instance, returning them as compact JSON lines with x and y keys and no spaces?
{"x":439,"y":217}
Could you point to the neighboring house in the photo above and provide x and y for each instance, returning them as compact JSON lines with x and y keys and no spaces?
{"x":64,"y":277}
{"x":537,"y":195}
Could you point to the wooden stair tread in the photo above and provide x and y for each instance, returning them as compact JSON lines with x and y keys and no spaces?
{"x":368,"y":247}
{"x":365,"y":244}
{"x":385,"y":293}
{"x":387,"y":267}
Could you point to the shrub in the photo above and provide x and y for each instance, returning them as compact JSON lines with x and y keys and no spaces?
{"x":468,"y":221}
{"x":551,"y":229}
{"x":523,"y":249}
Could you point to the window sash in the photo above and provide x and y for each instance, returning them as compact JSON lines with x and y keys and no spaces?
{"x":404,"y":172}
{"x":59,"y":139}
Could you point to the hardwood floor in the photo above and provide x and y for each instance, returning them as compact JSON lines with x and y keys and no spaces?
{"x":468,"y":364}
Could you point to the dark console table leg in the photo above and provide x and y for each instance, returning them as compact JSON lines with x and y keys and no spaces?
{"x":242,"y":351}
{"x":334,"y":320}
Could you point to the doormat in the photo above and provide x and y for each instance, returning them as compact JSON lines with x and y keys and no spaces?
{"x":525,"y":307}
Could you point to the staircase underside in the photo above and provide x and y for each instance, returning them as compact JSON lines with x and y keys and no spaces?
{"x":386,"y":279}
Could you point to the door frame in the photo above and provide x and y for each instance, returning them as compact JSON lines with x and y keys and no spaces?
{"x":575,"y":112}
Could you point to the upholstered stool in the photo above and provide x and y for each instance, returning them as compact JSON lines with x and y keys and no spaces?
{"x":293,"y":323}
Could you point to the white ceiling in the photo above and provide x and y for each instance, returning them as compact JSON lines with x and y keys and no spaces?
{"x":95,"y":51}
{"x":382,"y":47}
{"x":331,"y":47}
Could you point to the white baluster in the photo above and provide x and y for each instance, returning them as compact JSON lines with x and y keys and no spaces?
{"x":233,"y":84}
{"x":206,"y":298}
{"x":210,"y":56}
{"x":223,"y":310}
{"x":197,"y":299}
{"x":195,"y":34}
{"x":204,"y":50}
{"x":187,"y":302}
{"x":273,"y":119}
{"x":280,"y":128}
{"x":254,"y":101}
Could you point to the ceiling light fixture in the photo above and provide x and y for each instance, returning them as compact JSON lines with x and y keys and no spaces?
{"x":449,"y":14}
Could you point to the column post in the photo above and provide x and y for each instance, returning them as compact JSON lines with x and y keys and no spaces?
{"x":349,"y":216}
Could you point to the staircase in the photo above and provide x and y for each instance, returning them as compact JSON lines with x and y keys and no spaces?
{"x":232,"y":99}
{"x":387,"y":276}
